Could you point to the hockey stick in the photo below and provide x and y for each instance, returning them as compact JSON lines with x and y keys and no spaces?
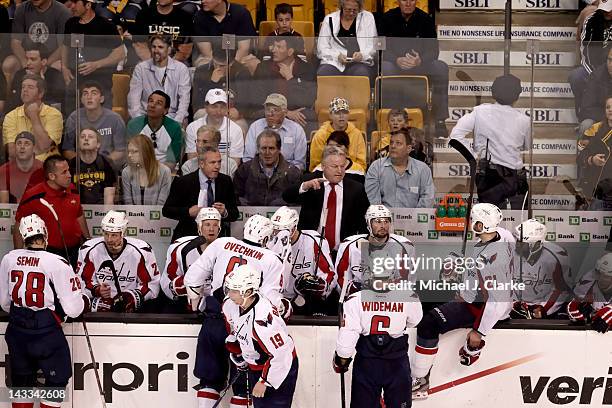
{"x":229,"y":384}
{"x":118,"y":303}
{"x":91,"y":354}
{"x":469,"y":157}
{"x":340,"y":312}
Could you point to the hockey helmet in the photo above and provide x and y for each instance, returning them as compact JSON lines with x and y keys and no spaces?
{"x":285,"y":218}
{"x":243,"y":278}
{"x":532,"y":231}
{"x":604,"y":265}
{"x":114,"y":221}
{"x":31,"y":226}
{"x":377,"y":211}
{"x":488,"y":214}
{"x":258,"y":229}
{"x":207,"y":213}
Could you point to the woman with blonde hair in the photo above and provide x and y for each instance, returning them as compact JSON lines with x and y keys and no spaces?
{"x":144,"y":180}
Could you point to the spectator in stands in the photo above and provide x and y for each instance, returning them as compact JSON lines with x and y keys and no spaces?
{"x":345,"y":215}
{"x":107,"y":123}
{"x":165,"y":133}
{"x":346,"y":41}
{"x":164,"y":18}
{"x":43,"y":121}
{"x":338,"y":115}
{"x":122,"y":14}
{"x":205,"y":188}
{"x":418,"y":56}
{"x":38,"y":21}
{"x":283,"y":16}
{"x":101,"y":52}
{"x":209,"y":136}
{"x":215,"y":76}
{"x":341,"y":139}
{"x":94,"y":175}
{"x":293,"y":138}
{"x":160,"y":72}
{"x":398,"y":180}
{"x":287,"y":74}
{"x":14,"y":174}
{"x":36,"y":63}
{"x":588,"y":9}
{"x":598,"y":88}
{"x":397,"y":119}
{"x":218,"y":17}
{"x":262,"y":180}
{"x":144,"y":181}
{"x":593,"y":49}
{"x":232,"y":138}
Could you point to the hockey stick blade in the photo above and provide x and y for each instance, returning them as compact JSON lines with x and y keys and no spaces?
{"x":463,"y":151}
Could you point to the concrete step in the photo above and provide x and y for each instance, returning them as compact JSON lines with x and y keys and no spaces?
{"x":460,"y":185}
{"x":542,"y":131}
{"x":496,"y":45}
{"x":540,"y":74}
{"x":546,"y":6}
{"x":519,"y":18}
{"x":552,"y":103}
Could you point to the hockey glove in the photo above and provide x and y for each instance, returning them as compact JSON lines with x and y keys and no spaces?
{"x":239,"y":362}
{"x":99,"y":304}
{"x":469,"y":355}
{"x":602,"y":319}
{"x":129,"y":301}
{"x":341,"y":365}
{"x":177,"y":287}
{"x":232,"y":345}
{"x":520,"y":310}
{"x":285,"y":309}
{"x":451,"y":271}
{"x":308,"y":285}
{"x":353,"y":287}
{"x":579,"y":311}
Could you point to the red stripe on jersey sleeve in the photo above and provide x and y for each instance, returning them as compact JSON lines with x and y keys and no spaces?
{"x":485,"y":298}
{"x":343,"y":266}
{"x":143,"y":276}
{"x":266,"y":367}
{"x":323,"y":264}
{"x":87,"y":274}
{"x":173,"y":265}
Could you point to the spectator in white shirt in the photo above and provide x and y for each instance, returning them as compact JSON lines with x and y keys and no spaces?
{"x":208,"y":136}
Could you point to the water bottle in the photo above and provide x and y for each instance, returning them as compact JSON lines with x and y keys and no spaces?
{"x":452,"y":211}
{"x":441,"y":211}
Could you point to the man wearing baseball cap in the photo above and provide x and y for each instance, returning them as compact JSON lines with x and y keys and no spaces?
{"x":293,"y":138}
{"x":14,"y":174}
{"x":232,"y":138}
{"x":339,"y":120}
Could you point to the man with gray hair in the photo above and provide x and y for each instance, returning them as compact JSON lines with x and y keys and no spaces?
{"x":208,"y":135}
{"x":332,"y":203}
{"x":291,"y":133}
{"x":262,"y":180}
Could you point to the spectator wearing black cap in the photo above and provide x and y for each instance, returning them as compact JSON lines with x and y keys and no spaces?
{"x":501,"y":132}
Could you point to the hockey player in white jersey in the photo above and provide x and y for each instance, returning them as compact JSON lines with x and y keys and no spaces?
{"x":309,"y":275}
{"x":204,"y":283}
{"x":37,"y":289}
{"x":185,"y":251}
{"x":483,"y":302}
{"x":542,"y":267}
{"x":120,"y":273}
{"x":379,"y":219}
{"x":373,"y":327}
{"x":259,"y":340}
{"x":593,"y":296}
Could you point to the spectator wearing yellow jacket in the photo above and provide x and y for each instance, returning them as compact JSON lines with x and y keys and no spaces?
{"x":338,"y":115}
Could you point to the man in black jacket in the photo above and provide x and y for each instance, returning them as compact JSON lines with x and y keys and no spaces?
{"x":417,"y":56}
{"x":597,"y":91}
{"x":205,"y":188}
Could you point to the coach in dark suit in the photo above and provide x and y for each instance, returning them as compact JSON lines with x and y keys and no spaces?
{"x":345,"y":200}
{"x":204,"y":188}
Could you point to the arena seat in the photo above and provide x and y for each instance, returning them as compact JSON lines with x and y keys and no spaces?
{"x":355,"y":89}
{"x":121,"y":87}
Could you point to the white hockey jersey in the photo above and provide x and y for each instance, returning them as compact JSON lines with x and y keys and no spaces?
{"x":135,"y":267}
{"x":264,"y":340}
{"x":588,"y":290}
{"x":223,"y":255}
{"x":181,"y":254}
{"x":303,"y":259}
{"x":490,"y":285}
{"x":544,"y":277}
{"x":349,"y":263}
{"x":376,"y":316}
{"x":34,"y":278}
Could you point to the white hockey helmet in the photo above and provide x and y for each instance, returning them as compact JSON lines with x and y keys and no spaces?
{"x":488,"y":214}
{"x":377,"y":211}
{"x":207,"y":213}
{"x":604,"y":265}
{"x":532,"y":231}
{"x":258,"y":229}
{"x":114,"y":221}
{"x":31,"y":226}
{"x":243,"y":278}
{"x":285,"y":218}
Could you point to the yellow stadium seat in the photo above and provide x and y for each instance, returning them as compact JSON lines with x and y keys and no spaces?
{"x":306,"y":28}
{"x":302,"y":10}
{"x":250,"y":5}
{"x":355,"y":89}
{"x":121,"y":87}
{"x":422,"y":4}
{"x":415,"y":118}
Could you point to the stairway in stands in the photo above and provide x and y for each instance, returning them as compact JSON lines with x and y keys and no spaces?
{"x":471,"y":43}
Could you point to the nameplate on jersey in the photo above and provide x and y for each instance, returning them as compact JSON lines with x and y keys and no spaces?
{"x":540,"y":146}
{"x":517,"y":58}
{"x":540,"y":171}
{"x":496,"y":32}
{"x":544,"y":5}
{"x":483,"y":88}
{"x":558,"y":116}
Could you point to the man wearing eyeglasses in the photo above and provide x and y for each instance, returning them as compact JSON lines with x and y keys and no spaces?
{"x":293,"y":138}
{"x":160,"y":72}
{"x":165,"y":133}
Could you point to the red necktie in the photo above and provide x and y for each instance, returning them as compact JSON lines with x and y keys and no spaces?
{"x":330,"y":222}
